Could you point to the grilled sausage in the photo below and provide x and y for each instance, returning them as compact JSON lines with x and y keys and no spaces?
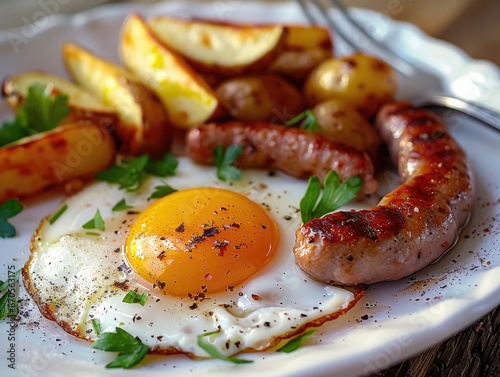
{"x":412,"y":225}
{"x":296,"y":152}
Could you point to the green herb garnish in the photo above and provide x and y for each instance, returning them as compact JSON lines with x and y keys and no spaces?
{"x":130,"y":173}
{"x":335,"y":195}
{"x":8,"y":209}
{"x":96,"y":325}
{"x":40,"y":111}
{"x":224,"y":158}
{"x":133,"y":297}
{"x":307,"y":119}
{"x":96,"y":223}
{"x":161,"y":191}
{"x":295,"y":343}
{"x":214,"y":352}
{"x":58,"y":214}
{"x":121,"y":206}
{"x":165,"y":166}
{"x":131,"y":351}
{"x":8,"y":300}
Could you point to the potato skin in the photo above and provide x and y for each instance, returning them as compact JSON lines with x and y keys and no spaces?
{"x":364,"y":81}
{"x":340,"y":121}
{"x":70,"y":152}
{"x":264,"y":97}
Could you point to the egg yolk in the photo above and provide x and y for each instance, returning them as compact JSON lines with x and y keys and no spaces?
{"x":202,"y":240}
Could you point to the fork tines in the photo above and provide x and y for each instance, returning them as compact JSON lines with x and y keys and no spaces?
{"x":352,"y":33}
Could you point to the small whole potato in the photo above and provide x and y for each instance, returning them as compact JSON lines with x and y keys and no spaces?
{"x":265,"y":97}
{"x":364,"y":81}
{"x":340,"y":121}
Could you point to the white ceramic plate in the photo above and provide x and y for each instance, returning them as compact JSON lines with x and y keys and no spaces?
{"x":394,"y":321}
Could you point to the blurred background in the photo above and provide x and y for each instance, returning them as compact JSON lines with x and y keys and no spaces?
{"x":472,"y":25}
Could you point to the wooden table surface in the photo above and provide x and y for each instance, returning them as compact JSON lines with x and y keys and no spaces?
{"x":473,"y":26}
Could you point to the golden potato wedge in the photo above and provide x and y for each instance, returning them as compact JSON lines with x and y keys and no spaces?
{"x":225,"y":49}
{"x":69,"y":152}
{"x":188,"y":98}
{"x":83,"y":105}
{"x":304,"y":48}
{"x":144,"y":126}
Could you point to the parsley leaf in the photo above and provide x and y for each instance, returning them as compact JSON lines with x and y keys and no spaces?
{"x":58,"y":214}
{"x":96,"y":223}
{"x":8,"y":300}
{"x":131,"y":349}
{"x":132,"y":297}
{"x":161,"y":191}
{"x":96,"y":325}
{"x":307,"y":119}
{"x":128,"y":174}
{"x":335,"y":195}
{"x":295,"y":343}
{"x":223,"y":159}
{"x":13,"y":131}
{"x":41,"y":111}
{"x":121,"y":206}
{"x":166,"y":166}
{"x":214,"y":352}
{"x":8,"y":209}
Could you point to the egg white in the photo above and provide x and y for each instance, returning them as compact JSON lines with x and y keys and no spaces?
{"x":76,"y":277}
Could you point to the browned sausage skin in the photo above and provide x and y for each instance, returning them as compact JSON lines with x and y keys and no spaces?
{"x":296,"y":152}
{"x":411,"y":226}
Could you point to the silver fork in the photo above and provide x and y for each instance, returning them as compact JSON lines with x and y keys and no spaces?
{"x":424,"y":87}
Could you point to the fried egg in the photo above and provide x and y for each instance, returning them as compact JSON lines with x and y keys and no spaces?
{"x":210,"y":256}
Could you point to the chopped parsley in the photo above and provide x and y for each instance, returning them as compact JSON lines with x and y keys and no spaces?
{"x":214,"y":352}
{"x":130,"y":173}
{"x":295,"y":343}
{"x":8,"y":299}
{"x":307,"y":119}
{"x":8,"y":209}
{"x":121,"y":206}
{"x":161,"y":191}
{"x":165,"y":166}
{"x":58,"y":214}
{"x":131,"y":351}
{"x":96,"y":223}
{"x":224,"y":159}
{"x":96,"y":325}
{"x":335,"y":195}
{"x":40,"y":111}
{"x":132,"y":297}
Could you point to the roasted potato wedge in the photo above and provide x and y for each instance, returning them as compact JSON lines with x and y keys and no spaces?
{"x":187,"y":97}
{"x":304,"y":48}
{"x":83,"y":105}
{"x":144,"y":126}
{"x":225,"y":49}
{"x":74,"y":151}
{"x":265,"y":97}
{"x":364,"y":81}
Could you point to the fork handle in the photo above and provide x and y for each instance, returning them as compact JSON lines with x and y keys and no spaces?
{"x":488,"y":117}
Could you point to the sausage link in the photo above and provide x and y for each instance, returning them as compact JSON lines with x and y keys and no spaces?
{"x":412,"y":225}
{"x":296,"y":152}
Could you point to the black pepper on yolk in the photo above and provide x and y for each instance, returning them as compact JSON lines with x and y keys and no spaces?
{"x":201,"y":240}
